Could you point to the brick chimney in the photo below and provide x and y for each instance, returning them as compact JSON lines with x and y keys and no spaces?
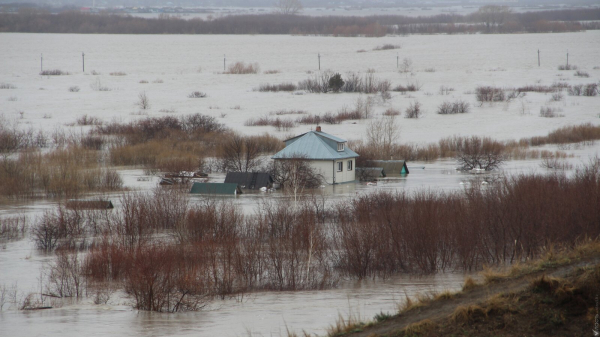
{"x":318,"y":128}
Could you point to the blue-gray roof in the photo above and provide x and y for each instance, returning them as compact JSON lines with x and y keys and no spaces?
{"x":316,"y":146}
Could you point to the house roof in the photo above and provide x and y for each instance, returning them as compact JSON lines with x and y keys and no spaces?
{"x":215,"y":188}
{"x":249,"y":180}
{"x":315,"y":145}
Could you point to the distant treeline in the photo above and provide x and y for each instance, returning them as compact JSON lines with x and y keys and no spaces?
{"x":489,"y":19}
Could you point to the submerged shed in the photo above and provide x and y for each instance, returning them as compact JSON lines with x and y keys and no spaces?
{"x":250,"y":180}
{"x":216,"y":188}
{"x":370,"y":173}
{"x":391,"y":167}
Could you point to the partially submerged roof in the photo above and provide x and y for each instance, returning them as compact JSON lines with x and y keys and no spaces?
{"x":215,"y":188}
{"x":249,"y":180}
{"x":315,"y":145}
{"x":391,"y":167}
{"x":373,"y":172}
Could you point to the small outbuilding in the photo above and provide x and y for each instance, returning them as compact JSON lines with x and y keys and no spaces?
{"x":216,"y":188}
{"x":370,"y":173}
{"x":391,"y":167}
{"x":250,"y":180}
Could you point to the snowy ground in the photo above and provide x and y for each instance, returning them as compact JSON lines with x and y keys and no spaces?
{"x":194,"y":63}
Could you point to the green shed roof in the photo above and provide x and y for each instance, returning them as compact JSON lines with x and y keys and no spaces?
{"x":215,"y":188}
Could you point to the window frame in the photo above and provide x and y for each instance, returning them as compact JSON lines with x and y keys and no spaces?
{"x":340,"y":167}
{"x":350,"y":165}
{"x":340,"y":147}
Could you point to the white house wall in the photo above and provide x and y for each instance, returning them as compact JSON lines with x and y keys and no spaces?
{"x":327,"y":169}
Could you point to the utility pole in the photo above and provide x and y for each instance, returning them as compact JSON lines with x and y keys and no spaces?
{"x":319,"y":56}
{"x":567,"y":59}
{"x":397,"y":60}
{"x":538,"y":57}
{"x":83,"y":61}
{"x":41,"y":62}
{"x":224,"y":62}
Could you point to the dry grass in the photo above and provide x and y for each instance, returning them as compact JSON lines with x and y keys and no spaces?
{"x":344,"y":326}
{"x":117,"y":73}
{"x":420,"y":328}
{"x":241,"y":68}
{"x":469,"y":284}
{"x":467,"y":314}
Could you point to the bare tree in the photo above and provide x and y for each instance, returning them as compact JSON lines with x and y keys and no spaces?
{"x":480,"y":153}
{"x":493,"y":15}
{"x":143,"y":101}
{"x":382,"y":134}
{"x":240,"y":154}
{"x":288,"y":7}
{"x":295,"y":174}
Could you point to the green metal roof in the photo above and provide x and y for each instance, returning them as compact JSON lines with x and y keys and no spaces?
{"x":316,"y":146}
{"x":215,"y":188}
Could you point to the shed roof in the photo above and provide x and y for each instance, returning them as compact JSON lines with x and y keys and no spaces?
{"x":90,"y":204}
{"x":249,"y":180}
{"x":215,"y":188}
{"x":392,"y":167}
{"x":315,"y":145}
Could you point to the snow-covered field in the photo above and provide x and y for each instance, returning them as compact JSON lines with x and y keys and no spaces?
{"x":175,"y":66}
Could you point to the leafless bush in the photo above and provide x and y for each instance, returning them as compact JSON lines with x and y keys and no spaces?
{"x":413,"y":110}
{"x":550,"y":112}
{"x":158,"y":80}
{"x":590,"y":90}
{"x":65,"y":276}
{"x":97,"y":86}
{"x":243,"y":68}
{"x":143,"y":81}
{"x":387,"y":46}
{"x":277,"y":87}
{"x":429,"y":70}
{"x":143,"y":101}
{"x":361,"y":51}
{"x":480,"y":153}
{"x":567,"y":67}
{"x":287,"y":112}
{"x":444,"y":90}
{"x":12,"y":99}
{"x":7,"y":86}
{"x":55,"y":72}
{"x":197,"y":94}
{"x":553,"y":163}
{"x":12,"y":228}
{"x":279,"y":123}
{"x":453,"y":108}
{"x":557,"y":97}
{"x":576,"y":90}
{"x":581,"y":73}
{"x":74,"y":89}
{"x":118,"y":73}
{"x":411,"y":86}
{"x":391,"y":112}
{"x":406,"y":66}
{"x":270,"y":72}
{"x":88,"y":120}
{"x":91,"y":142}
{"x":489,"y":94}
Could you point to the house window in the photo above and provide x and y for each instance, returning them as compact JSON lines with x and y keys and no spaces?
{"x":340,"y":146}
{"x":340,"y":166}
{"x":349,"y":165}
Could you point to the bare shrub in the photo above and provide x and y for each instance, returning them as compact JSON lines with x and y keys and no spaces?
{"x":287,"y":112}
{"x":277,"y":87}
{"x":387,"y":46}
{"x":550,"y":112}
{"x":480,"y":153}
{"x":489,"y":94}
{"x":54,"y":72}
{"x":581,"y":73}
{"x":567,"y":67}
{"x":406,"y":66}
{"x":65,"y":276}
{"x":143,"y":81}
{"x":12,"y":99}
{"x":444,"y":90}
{"x":271,"y":72}
{"x":88,"y":120}
{"x":429,"y":70}
{"x":74,"y":89}
{"x":411,"y":86}
{"x":576,"y":90}
{"x":143,"y":101}
{"x":243,"y":68}
{"x":590,"y":90}
{"x":91,"y":142}
{"x":279,"y":123}
{"x":361,"y":51}
{"x":447,"y":108}
{"x":97,"y":86}
{"x":414,"y":110}
{"x":553,"y":163}
{"x":118,"y":73}
{"x":197,"y":94}
{"x":557,"y":97}
{"x":240,"y":154}
{"x":12,"y":228}
{"x":7,"y":86}
{"x":158,"y":80}
{"x":391,"y":112}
